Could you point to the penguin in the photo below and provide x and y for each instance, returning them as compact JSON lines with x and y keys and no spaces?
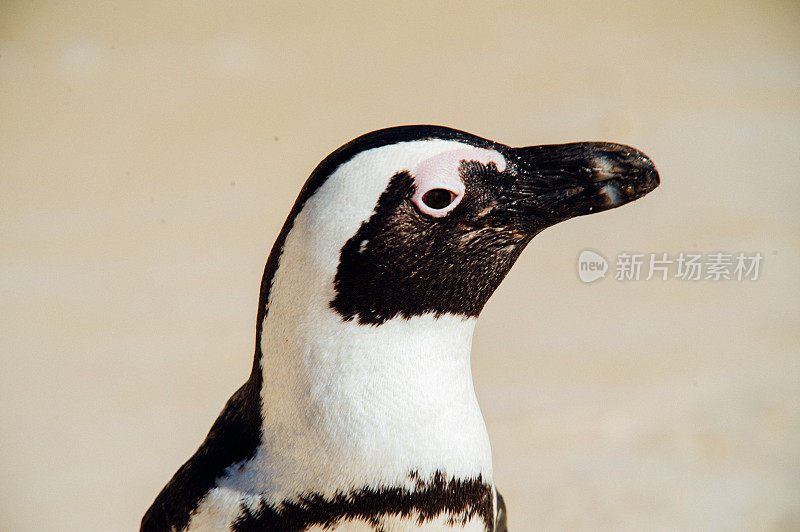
{"x":360,"y":412}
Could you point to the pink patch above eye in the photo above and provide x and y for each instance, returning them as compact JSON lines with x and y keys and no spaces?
{"x":441,"y":171}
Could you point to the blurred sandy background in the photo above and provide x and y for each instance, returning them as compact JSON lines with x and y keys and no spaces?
{"x":149,"y":153}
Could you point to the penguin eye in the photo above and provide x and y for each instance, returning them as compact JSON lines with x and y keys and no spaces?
{"x":438,"y":198}
{"x":437,"y":201}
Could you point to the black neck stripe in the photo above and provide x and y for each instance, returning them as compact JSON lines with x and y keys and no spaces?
{"x":457,"y":500}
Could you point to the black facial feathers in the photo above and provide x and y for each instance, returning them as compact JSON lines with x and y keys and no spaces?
{"x":402,"y":262}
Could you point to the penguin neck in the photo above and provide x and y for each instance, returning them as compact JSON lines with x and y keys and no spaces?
{"x":318,"y":360}
{"x":346,"y":405}
{"x":378,"y":401}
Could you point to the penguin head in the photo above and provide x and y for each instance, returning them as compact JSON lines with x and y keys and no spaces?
{"x":417,"y":220}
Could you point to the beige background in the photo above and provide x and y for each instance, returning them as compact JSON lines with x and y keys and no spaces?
{"x":150,"y":152}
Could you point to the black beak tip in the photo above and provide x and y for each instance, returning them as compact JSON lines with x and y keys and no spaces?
{"x":648,"y":179}
{"x":651,"y":179}
{"x":624,"y":174}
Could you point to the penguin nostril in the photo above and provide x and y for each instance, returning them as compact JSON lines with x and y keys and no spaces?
{"x":438,"y":198}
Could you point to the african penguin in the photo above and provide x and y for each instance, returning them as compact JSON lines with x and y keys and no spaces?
{"x":360,"y":412}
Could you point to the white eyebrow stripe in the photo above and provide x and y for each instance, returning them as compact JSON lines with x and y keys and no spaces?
{"x":448,"y":162}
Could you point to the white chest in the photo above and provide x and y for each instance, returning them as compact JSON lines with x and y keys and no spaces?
{"x":352,"y":409}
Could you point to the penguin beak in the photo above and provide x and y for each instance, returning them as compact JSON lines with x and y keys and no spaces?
{"x":552,"y":183}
